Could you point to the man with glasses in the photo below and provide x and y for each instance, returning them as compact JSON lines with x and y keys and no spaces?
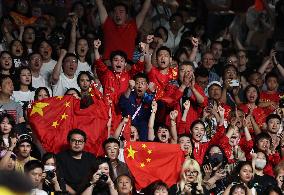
{"x":208,"y":62}
{"x":61,"y":81}
{"x":75,"y":164}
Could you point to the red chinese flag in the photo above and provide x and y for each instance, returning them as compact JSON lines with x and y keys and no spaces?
{"x":51,"y":119}
{"x":151,"y":161}
{"x":93,"y":120}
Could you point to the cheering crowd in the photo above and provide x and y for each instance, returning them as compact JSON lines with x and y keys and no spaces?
{"x":204,"y":75}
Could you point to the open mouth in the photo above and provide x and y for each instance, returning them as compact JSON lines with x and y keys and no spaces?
{"x":132,"y":136}
{"x":163,"y":136}
{"x":18,"y":51}
{"x":45,"y":53}
{"x":82,"y":50}
{"x":139,"y":91}
{"x":118,"y":67}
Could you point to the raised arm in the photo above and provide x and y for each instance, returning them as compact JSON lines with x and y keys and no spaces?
{"x":142,"y":14}
{"x":199,"y":97}
{"x":186,"y":106}
{"x":72,"y":44}
{"x":151,"y":134}
{"x":194,"y":50}
{"x":57,"y":68}
{"x":120,"y":127}
{"x":173,"y":128}
{"x":102,"y":11}
{"x":130,"y":88}
{"x":97,"y":44}
{"x":147,"y":55}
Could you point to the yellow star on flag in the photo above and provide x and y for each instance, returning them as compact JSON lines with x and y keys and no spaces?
{"x":59,"y":97}
{"x":64,"y":116}
{"x":144,"y":146}
{"x":55,"y":124}
{"x":149,"y":151}
{"x":131,"y":152}
{"x":37,"y":108}
{"x":148,"y":160}
{"x":67,"y":104}
{"x":142,"y":165}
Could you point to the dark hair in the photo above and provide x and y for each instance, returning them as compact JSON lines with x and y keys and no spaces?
{"x":4,"y":77}
{"x":156,"y":186}
{"x":120,"y":4}
{"x":74,"y":89}
{"x":207,"y":155}
{"x":239,"y":185}
{"x":163,"y":48}
{"x":141,"y":75}
{"x":158,"y":34}
{"x":76,"y":131}
{"x":38,"y":90}
{"x":272,"y":116}
{"x":235,"y":175}
{"x":87,"y":73}
{"x":257,"y":91}
{"x":215,"y":42}
{"x":12,"y":69}
{"x":187,"y":63}
{"x":12,"y":122}
{"x":88,"y":58}
{"x":25,"y":51}
{"x":17,"y":78}
{"x":273,"y":188}
{"x":198,"y":121}
{"x":271,"y":75}
{"x":32,"y":164}
{"x":110,"y":140}
{"x":33,"y":53}
{"x":70,"y":55}
{"x":118,"y":53}
{"x":202,"y":72}
{"x":29,"y":11}
{"x":176,"y":15}
{"x":227,"y":67}
{"x":179,"y":52}
{"x":47,"y":156}
{"x":37,"y":44}
{"x":262,"y":135}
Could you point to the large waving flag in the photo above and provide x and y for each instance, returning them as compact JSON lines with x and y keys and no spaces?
{"x":151,"y":161}
{"x":52,"y":118}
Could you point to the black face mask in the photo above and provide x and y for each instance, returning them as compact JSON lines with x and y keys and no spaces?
{"x":215,"y":159}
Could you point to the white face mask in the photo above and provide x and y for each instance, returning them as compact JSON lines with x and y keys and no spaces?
{"x":49,"y":168}
{"x":260,"y":163}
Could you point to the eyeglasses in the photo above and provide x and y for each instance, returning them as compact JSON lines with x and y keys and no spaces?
{"x":191,"y":173}
{"x":77,"y":141}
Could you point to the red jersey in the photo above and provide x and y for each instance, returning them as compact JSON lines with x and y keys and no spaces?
{"x":119,"y":37}
{"x":115,"y":84}
{"x":258,"y":114}
{"x":162,"y":80}
{"x":269,"y":97}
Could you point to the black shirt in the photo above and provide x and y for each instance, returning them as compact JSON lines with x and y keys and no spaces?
{"x":261,"y":183}
{"x":74,"y":171}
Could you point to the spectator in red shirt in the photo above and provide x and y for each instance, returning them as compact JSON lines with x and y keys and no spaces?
{"x":119,"y":31}
{"x":269,"y":99}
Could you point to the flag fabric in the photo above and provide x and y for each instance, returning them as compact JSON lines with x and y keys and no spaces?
{"x":51,"y":119}
{"x":152,"y":161}
{"x":22,"y":20}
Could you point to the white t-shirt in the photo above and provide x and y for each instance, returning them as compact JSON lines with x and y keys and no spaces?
{"x":46,"y":69}
{"x":63,"y":84}
{"x":38,"y":192}
{"x":23,"y":96}
{"x":83,"y":66}
{"x":38,"y":82}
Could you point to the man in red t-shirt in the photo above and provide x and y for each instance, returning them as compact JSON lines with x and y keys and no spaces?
{"x":120,"y":32}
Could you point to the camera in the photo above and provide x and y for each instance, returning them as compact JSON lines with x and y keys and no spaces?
{"x":234,"y":83}
{"x":49,"y":175}
{"x":103,"y":178}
